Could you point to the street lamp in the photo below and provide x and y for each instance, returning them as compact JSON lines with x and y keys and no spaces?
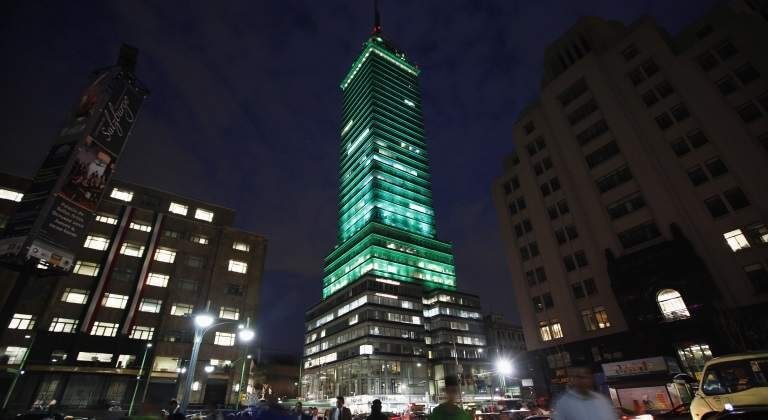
{"x":138,"y":377}
{"x":504,"y":368}
{"x":242,"y":374}
{"x":20,"y":371}
{"x":205,"y":322}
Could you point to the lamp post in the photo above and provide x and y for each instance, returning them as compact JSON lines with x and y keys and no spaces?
{"x":19,"y":371}
{"x":138,"y":377}
{"x":504,"y":368}
{"x":204,"y":322}
{"x":242,"y":375}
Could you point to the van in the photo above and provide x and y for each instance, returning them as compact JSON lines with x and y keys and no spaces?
{"x":730,"y":382}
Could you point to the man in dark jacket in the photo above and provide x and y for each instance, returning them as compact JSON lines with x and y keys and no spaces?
{"x":376,"y":413}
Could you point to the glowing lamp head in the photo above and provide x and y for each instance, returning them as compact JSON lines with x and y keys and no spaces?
{"x":203,"y":320}
{"x":209,"y":369}
{"x":246,"y":334}
{"x":504,"y":366}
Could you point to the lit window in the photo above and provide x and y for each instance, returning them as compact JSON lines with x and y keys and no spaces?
{"x":736,"y":240}
{"x":6,"y":194}
{"x":181,"y":309}
{"x":86,"y":268}
{"x":178,"y":208}
{"x":150,"y":305}
{"x":157,"y":279}
{"x":87,"y":356}
{"x":106,"y":219}
{"x":22,"y":322}
{"x":122,"y":195}
{"x":105,"y":329}
{"x":96,"y":242}
{"x":557,"y":331}
{"x":206,"y":215}
{"x":672,"y":305}
{"x":224,"y":339}
{"x":140,"y":226}
{"x":78,"y":296}
{"x":601,"y":315}
{"x":366,"y":349}
{"x":63,"y":325}
{"x":139,"y":332}
{"x":166,"y":255}
{"x":238,"y":266}
{"x":544,"y":331}
{"x":15,"y":354}
{"x":113,"y":300}
{"x":409,"y":102}
{"x":199,"y":239}
{"x":125,"y":360}
{"x":229,"y":313}
{"x":132,"y":249}
{"x":694,"y":357}
{"x":241,"y":246}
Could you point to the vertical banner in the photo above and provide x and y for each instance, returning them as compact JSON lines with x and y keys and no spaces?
{"x":49,"y":223}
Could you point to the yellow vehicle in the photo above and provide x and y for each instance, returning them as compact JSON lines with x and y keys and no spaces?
{"x":731,"y":382}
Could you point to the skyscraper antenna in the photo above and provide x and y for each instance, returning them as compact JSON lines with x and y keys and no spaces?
{"x":376,"y":17}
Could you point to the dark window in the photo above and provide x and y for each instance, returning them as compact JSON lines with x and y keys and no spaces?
{"x":552,"y":211}
{"x":187,"y":284}
{"x":197,"y":262}
{"x":534,"y":249}
{"x":123,"y":274}
{"x":582,"y":112}
{"x":763,"y":139}
{"x":707,"y":61}
{"x":518,"y":230}
{"x":680,"y":112}
{"x":592,"y":132}
{"x":512,"y":208}
{"x":716,"y":206}
{"x":614,"y":179}
{"x":697,"y":139}
{"x":530,"y":148}
{"x":507,"y":188}
{"x":538,"y":305}
{"x":590,"y":286}
{"x":548,"y":302}
{"x":726,"y":50}
{"x":570,"y":265}
{"x":664,"y":121}
{"x":529,"y":276}
{"x":581,"y":259}
{"x":541,"y":275}
{"x":749,"y":112}
{"x":650,"y":98}
{"x":572,"y":92}
{"x":746,"y":73}
{"x":636,"y":76}
{"x":650,"y":67}
{"x":515,"y":159}
{"x":572,"y":232}
{"x":554,"y":183}
{"x":540,"y":145}
{"x":562,"y":205}
{"x":758,"y":276}
{"x":602,"y":154}
{"x":234,"y":289}
{"x":626,"y":206}
{"x":524,"y":254}
{"x":639,"y":234}
{"x":763,"y":100}
{"x":697,"y":175}
{"x":560,"y":235}
{"x":547,"y":162}
{"x":727,"y":85}
{"x":538,"y":169}
{"x":736,"y":198}
{"x":664,"y":89}
{"x":527,"y":226}
{"x":704,"y":32}
{"x":521,"y":203}
{"x":716,"y":167}
{"x":529,"y":127}
{"x":545,"y":191}
{"x":171,"y":234}
{"x":578,"y":290}
{"x":680,"y":147}
{"x":630,"y":52}
{"x":515,"y":183}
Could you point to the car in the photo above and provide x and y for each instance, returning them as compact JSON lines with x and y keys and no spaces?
{"x":744,"y":413}
{"x":731,"y":382}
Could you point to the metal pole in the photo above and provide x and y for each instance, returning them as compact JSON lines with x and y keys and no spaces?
{"x":242,"y":370}
{"x":138,"y":378}
{"x":199,"y":332}
{"x":17,"y":374}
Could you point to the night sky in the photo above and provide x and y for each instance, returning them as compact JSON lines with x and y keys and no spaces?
{"x":245,"y":111}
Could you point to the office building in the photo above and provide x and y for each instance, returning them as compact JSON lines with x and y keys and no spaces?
{"x":391,"y":324}
{"x":150,"y":259}
{"x":634,"y":209}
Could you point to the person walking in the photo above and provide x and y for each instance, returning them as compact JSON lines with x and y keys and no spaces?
{"x":174,"y":411}
{"x":579,"y":401}
{"x":376,"y":413}
{"x":449,"y":410}
{"x":299,"y":414}
{"x":339,"y":412}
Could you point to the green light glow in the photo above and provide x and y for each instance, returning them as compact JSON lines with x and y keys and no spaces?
{"x":386,"y":220}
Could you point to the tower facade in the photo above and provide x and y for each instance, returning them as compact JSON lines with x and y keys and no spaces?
{"x":391,"y":324}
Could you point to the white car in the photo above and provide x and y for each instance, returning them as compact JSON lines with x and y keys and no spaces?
{"x":731,"y":382}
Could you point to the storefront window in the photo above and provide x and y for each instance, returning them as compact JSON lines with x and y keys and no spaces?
{"x":672,"y":305}
{"x":694,"y":357}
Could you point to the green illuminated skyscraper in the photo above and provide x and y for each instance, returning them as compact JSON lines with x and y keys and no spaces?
{"x":386,"y":220}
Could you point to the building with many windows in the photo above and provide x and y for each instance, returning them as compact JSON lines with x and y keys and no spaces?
{"x":391,"y":324}
{"x":634,"y":208}
{"x":150,"y":259}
